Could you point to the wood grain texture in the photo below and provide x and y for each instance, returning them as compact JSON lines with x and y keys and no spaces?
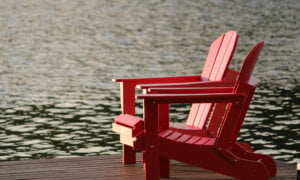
{"x":109,"y":167}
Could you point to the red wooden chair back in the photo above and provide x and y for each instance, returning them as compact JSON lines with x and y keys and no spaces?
{"x":215,"y":68}
{"x":235,"y":113}
{"x":248,"y":66}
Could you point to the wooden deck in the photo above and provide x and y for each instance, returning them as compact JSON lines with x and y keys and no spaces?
{"x":108,"y":167}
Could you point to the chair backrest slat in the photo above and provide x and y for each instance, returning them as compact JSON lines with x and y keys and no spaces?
{"x":224,"y":57}
{"x":211,"y":57}
{"x":215,"y":68}
{"x":248,"y":66}
{"x":235,"y":113}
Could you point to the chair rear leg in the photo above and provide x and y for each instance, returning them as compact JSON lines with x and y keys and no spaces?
{"x":265,"y":159}
{"x":259,"y":170}
{"x":207,"y":157}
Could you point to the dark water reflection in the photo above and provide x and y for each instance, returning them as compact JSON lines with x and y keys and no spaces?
{"x":57,"y":59}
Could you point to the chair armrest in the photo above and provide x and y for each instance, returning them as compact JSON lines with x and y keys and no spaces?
{"x":127,"y":88}
{"x":203,"y":83}
{"x":156,"y":80}
{"x":228,"y":81}
{"x":190,"y":90}
{"x":193,"y":98}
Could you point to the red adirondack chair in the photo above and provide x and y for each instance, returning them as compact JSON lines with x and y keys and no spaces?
{"x":217,"y":152}
{"x":215,"y":73}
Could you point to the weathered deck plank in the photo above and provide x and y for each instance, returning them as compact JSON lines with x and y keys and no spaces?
{"x":108,"y":167}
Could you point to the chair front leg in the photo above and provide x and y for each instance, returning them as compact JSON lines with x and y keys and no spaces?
{"x":127,"y":94}
{"x":163,"y":120}
{"x":151,"y":153}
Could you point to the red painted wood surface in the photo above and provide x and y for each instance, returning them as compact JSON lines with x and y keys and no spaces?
{"x":219,"y":101}
{"x":227,"y":81}
{"x":130,"y":121}
{"x":191,"y":90}
{"x":218,"y":59}
{"x":127,"y":93}
{"x":217,"y":62}
{"x":218,"y":152}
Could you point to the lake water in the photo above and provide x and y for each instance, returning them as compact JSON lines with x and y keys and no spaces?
{"x":58,"y":58}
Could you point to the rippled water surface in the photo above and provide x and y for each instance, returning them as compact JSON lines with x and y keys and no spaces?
{"x":57,"y":59}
